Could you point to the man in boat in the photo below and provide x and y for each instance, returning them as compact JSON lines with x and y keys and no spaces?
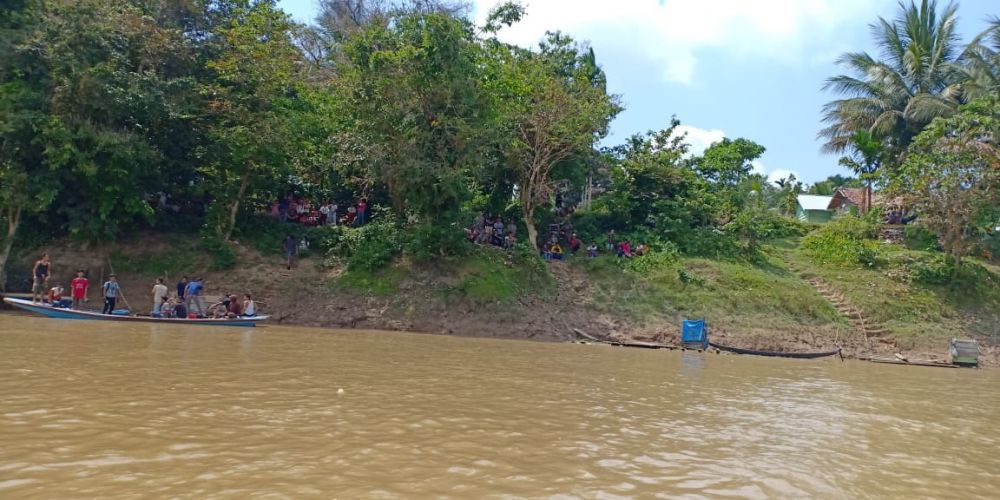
{"x":234,"y":309}
{"x":159,"y":294}
{"x":180,"y":311}
{"x":40,"y":272}
{"x":110,"y":290}
{"x":56,"y":296}
{"x":249,"y":306}
{"x":78,"y":289}
{"x":182,"y":287}
{"x":192,"y":296}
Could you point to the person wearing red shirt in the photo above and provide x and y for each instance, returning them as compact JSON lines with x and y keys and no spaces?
{"x":78,"y":289}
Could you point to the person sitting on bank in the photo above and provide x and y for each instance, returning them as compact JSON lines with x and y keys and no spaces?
{"x":557,"y":252}
{"x":592,"y":250}
{"x":574,"y":244}
{"x":249,"y":306}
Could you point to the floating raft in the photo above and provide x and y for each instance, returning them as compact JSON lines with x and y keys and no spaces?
{"x":902,"y":361}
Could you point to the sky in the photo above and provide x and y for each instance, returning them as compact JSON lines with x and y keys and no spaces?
{"x":725,"y":68}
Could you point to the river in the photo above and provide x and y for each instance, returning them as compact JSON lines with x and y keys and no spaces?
{"x":92,"y":410}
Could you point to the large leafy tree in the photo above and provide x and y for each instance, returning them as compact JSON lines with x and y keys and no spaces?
{"x":552,"y":107}
{"x":248,"y":98}
{"x":413,"y":91}
{"x":896,"y":95}
{"x":952,"y":176}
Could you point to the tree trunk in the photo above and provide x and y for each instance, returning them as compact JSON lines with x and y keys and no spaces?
{"x":528,"y":212}
{"x":235,"y":208}
{"x":13,"y":221}
{"x":868,"y":199}
{"x":529,"y":221}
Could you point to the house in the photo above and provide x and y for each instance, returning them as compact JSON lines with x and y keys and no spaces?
{"x":812,"y":208}
{"x":847,"y":199}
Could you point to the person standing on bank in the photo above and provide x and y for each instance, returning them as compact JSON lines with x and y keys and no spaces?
{"x":159,"y":293}
{"x":291,"y":250}
{"x":110,"y":290}
{"x":40,"y":273}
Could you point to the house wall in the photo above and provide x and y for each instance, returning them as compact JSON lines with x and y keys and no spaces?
{"x":813,"y":216}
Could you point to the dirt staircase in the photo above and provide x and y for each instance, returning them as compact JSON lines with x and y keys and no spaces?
{"x":869,"y":330}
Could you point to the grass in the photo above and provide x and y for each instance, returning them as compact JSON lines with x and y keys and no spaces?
{"x":763,"y":295}
{"x":172,"y":262}
{"x":911,"y":310}
{"x":382,"y":283}
{"x":493,"y":276}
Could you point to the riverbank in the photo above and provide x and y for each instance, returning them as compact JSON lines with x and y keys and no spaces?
{"x":783,"y":302}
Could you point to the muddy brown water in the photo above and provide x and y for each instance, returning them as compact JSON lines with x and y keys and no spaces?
{"x":98,"y":410}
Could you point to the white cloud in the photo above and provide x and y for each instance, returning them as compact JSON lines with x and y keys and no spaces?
{"x":699,"y":139}
{"x":670,"y":35}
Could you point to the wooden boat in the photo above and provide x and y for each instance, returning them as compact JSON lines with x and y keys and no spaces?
{"x":775,"y":354}
{"x":61,"y":313}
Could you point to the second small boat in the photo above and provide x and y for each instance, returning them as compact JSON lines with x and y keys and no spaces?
{"x":776,"y":354}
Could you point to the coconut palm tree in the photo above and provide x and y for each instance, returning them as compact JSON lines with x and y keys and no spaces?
{"x":912,"y":83}
{"x":865,"y":160}
{"x":979,"y":64}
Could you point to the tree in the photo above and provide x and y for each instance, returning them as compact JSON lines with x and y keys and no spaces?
{"x":865,"y":160}
{"x":248,"y":98}
{"x":551,"y":109}
{"x":789,"y":190}
{"x":979,"y":65}
{"x":413,"y":88}
{"x":895,"y":97}
{"x":952,"y":176}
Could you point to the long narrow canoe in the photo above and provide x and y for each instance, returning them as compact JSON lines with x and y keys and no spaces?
{"x":776,"y":354}
{"x":61,"y":313}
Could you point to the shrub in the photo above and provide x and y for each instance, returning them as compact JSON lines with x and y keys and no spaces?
{"x":708,"y":242}
{"x":368,"y":248}
{"x":917,"y":237}
{"x":846,"y":240}
{"x":664,"y":257}
{"x":223,"y":256}
{"x":429,"y":241}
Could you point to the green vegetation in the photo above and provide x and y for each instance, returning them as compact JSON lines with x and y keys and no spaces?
{"x":194,"y":117}
{"x":732,"y":293}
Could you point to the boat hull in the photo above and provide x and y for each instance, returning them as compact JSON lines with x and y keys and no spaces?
{"x":774,"y":354}
{"x":61,"y":313}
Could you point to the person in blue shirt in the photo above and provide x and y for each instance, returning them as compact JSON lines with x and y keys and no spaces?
{"x":110,"y":290}
{"x":192,"y":296}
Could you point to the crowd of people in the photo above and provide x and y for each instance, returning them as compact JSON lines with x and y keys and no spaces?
{"x":188,"y":302}
{"x":302,"y":211}
{"x":492,"y":231}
